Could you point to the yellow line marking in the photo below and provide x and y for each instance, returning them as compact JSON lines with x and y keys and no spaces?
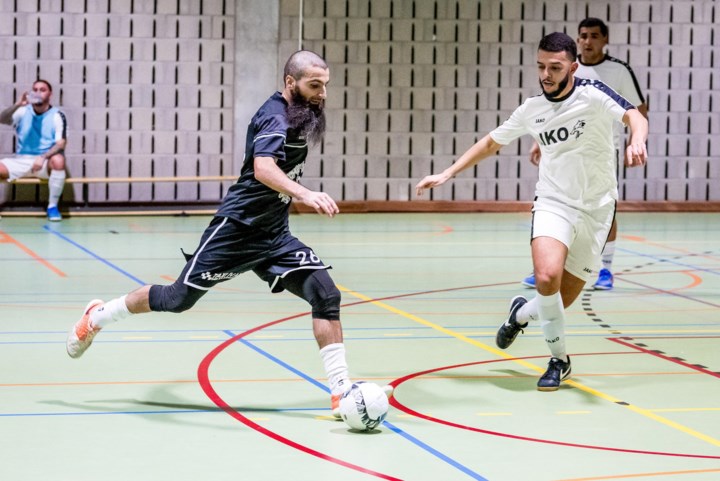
{"x":645,"y":475}
{"x":498,"y":352}
{"x":682,"y":410}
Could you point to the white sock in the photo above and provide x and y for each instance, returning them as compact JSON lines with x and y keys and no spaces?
{"x":56,"y":184}
{"x":111,"y":311}
{"x":608,"y":254}
{"x":528,"y":312}
{"x":333,"y":358}
{"x":552,"y":321}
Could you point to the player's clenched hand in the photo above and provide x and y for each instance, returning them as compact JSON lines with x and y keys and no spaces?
{"x":535,"y":154}
{"x":429,"y":182}
{"x":321,"y":202}
{"x":636,"y":154}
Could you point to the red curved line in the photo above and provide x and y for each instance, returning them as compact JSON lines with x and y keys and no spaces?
{"x":396,"y":404}
{"x":206,"y":385}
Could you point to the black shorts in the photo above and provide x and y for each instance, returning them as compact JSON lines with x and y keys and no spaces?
{"x":228,"y":248}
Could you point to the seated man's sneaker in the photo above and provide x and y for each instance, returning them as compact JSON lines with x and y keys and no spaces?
{"x":53,"y":214}
{"x":557,"y":371}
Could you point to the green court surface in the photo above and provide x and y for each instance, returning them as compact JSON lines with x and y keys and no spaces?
{"x":234,"y":389}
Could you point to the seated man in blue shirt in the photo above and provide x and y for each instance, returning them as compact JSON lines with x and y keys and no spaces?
{"x":41,"y":132}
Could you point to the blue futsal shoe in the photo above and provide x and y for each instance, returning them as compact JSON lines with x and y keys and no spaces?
{"x":604,"y":281}
{"x":53,"y":214}
{"x":529,"y":281}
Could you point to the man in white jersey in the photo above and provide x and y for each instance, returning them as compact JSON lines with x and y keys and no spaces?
{"x":595,"y":64}
{"x":41,"y":133}
{"x":576,"y":192}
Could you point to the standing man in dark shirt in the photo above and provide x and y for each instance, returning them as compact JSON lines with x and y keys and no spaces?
{"x":250,"y":230}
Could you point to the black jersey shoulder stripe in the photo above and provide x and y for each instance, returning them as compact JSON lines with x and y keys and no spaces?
{"x":632,"y":75}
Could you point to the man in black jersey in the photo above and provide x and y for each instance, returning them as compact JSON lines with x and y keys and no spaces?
{"x":250,"y":229}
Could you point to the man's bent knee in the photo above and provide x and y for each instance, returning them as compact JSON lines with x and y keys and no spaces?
{"x":319,"y":290}
{"x":176,"y":297}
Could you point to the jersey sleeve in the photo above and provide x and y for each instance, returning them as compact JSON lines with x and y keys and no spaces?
{"x":270,"y":137}
{"x":511,"y":129}
{"x":610,"y":101}
{"x":630,"y":89}
{"x":17,"y":115}
{"x":60,"y":124}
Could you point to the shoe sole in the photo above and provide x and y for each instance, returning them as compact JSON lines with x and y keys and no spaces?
{"x":551,"y":388}
{"x":554,"y":388}
{"x":602,"y":288}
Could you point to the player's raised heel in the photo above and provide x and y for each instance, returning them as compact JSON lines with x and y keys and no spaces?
{"x":82,"y":333}
{"x":510,"y":329}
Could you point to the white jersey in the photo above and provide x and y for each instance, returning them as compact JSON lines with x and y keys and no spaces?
{"x":575,"y":135}
{"x":618,"y":76}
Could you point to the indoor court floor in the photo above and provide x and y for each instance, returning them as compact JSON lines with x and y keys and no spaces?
{"x":234,"y":388}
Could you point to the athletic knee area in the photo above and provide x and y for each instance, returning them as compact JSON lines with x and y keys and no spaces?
{"x":176,"y":297}
{"x":319,"y":290}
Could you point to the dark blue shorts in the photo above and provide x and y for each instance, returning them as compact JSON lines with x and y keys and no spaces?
{"x":228,"y":248}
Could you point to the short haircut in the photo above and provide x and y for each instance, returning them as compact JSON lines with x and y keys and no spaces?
{"x":300,"y":61}
{"x":45,"y":82}
{"x":594,"y":22}
{"x":559,"y":42}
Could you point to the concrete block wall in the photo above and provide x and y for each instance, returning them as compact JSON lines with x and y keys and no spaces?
{"x":416,"y":82}
{"x":147,"y":89}
{"x":165,"y":87}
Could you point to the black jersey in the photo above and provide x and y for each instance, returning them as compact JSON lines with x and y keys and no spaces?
{"x":249,"y":201}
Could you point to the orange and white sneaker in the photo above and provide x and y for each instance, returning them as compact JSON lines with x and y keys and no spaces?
{"x":82,"y":333}
{"x":335,"y":405}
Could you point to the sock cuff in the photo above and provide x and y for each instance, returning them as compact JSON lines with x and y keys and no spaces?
{"x":337,"y":346}
{"x":57,"y":174}
{"x":551,"y":300}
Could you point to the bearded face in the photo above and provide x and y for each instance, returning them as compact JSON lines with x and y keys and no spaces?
{"x":306,"y":117}
{"x":555,"y":93}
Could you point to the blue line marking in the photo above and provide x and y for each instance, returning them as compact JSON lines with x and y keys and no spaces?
{"x":392,"y":427}
{"x":92,"y":254}
{"x":281,"y":362}
{"x":434,"y":452}
{"x":173,"y":411}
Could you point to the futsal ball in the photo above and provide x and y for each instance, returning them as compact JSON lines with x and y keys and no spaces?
{"x":364,"y":406}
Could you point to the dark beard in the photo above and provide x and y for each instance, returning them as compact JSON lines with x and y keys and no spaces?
{"x":306,"y":118}
{"x":554,"y":94}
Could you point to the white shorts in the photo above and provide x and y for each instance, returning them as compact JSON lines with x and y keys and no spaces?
{"x":584,"y":233}
{"x":20,"y":166}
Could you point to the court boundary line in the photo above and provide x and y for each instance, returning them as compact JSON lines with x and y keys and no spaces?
{"x":500,"y":353}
